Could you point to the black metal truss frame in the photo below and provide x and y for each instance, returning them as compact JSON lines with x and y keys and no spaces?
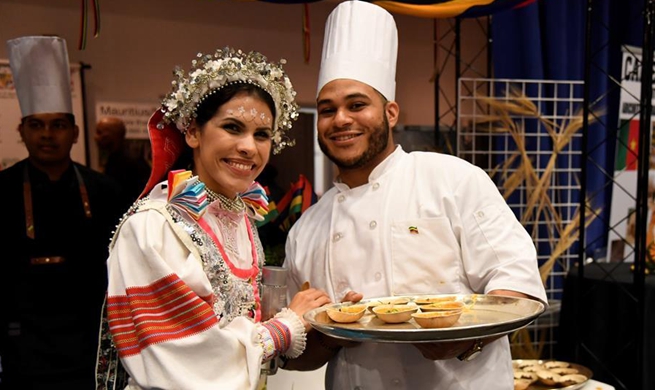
{"x":594,"y":64}
{"x":449,"y":43}
{"x":447,"y":52}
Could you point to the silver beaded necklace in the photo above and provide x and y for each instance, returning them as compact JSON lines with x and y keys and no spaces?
{"x":229,"y":225}
{"x":235,"y":205}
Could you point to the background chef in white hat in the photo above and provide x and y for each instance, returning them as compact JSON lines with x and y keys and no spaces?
{"x":57,"y":220}
{"x":399,"y":223}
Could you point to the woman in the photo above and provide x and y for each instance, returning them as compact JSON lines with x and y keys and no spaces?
{"x":183,"y":305}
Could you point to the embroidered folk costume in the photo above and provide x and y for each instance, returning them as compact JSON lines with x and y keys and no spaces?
{"x":183,"y":309}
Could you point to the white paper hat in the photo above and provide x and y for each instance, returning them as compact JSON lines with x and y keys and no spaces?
{"x":361,"y":43}
{"x":39,"y":67}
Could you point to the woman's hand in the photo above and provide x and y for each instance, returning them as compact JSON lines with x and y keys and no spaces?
{"x":307,"y":300}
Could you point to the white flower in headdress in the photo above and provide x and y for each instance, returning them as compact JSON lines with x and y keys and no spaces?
{"x":288,"y":86}
{"x":214,"y":65}
{"x":276,"y":73}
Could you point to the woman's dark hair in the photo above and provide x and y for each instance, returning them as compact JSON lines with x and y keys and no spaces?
{"x":208,"y":108}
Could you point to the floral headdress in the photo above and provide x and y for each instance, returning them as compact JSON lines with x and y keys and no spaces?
{"x":210,"y":73}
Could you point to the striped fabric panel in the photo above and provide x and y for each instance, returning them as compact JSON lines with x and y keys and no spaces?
{"x":162,"y":311}
{"x":280,"y":335}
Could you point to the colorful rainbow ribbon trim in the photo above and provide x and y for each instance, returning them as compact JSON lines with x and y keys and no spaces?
{"x":256,"y":200}
{"x":187,"y":193}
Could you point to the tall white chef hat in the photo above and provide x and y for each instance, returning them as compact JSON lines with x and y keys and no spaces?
{"x":39,"y":67}
{"x":361,"y":43}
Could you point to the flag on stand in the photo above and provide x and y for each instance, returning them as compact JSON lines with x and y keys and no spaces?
{"x":628,"y":146}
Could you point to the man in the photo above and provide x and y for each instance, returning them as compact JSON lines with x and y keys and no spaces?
{"x":57,"y":222}
{"x":130,"y":172}
{"x":398,"y":223}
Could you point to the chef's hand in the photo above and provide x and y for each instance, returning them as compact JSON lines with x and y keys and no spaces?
{"x":449,"y":349}
{"x":334,"y":343}
{"x":307,"y":300}
{"x":352,"y":296}
{"x":443,"y":350}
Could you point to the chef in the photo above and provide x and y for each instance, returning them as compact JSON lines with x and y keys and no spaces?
{"x":399,"y":223}
{"x":56,"y":225}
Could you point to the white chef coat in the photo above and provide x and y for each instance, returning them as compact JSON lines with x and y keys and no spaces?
{"x":464,"y":239}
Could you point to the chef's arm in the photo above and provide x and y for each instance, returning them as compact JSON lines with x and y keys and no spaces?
{"x":319,"y":350}
{"x":511,"y":293}
{"x":452,"y":349}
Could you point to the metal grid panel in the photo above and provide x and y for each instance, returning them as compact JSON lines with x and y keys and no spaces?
{"x":482,"y":144}
{"x":450,"y":64}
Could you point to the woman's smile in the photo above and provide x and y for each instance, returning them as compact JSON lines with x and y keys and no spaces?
{"x":233,"y":147}
{"x":239,"y":166}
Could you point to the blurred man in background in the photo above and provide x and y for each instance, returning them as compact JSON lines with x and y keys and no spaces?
{"x":129,"y":171}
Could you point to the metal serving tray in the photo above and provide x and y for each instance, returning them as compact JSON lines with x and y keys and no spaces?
{"x":484,"y":315}
{"x":540,"y":386}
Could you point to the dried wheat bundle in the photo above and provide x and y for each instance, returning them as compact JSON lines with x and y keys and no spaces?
{"x":517,"y":171}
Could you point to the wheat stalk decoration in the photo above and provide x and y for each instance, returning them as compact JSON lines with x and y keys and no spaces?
{"x":518,"y":172}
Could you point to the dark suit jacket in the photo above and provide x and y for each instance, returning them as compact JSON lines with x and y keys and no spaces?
{"x":49,"y":313}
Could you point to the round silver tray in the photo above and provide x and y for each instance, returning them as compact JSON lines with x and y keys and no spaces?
{"x":484,"y":315}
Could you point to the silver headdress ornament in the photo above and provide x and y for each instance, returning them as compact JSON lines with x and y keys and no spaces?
{"x":210,"y":73}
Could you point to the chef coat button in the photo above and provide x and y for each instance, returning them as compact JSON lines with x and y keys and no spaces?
{"x":343,"y":287}
{"x":341,"y":198}
{"x":373,"y":224}
{"x":378,"y":276}
{"x":337,"y":237}
{"x":376,"y":186}
{"x":480,"y":214}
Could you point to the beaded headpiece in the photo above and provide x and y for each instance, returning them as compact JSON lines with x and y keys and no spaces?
{"x":211,"y":73}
